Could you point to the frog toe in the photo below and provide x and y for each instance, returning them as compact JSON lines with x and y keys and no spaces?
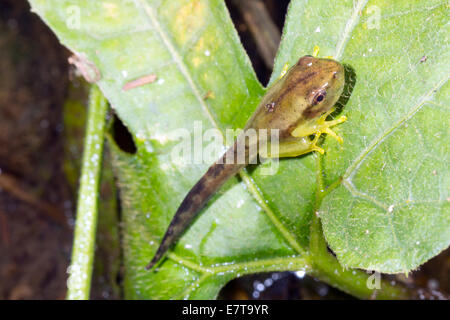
{"x":318,"y":149}
{"x":333,"y":134}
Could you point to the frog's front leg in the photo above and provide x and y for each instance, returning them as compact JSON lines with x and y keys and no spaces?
{"x":319,"y":126}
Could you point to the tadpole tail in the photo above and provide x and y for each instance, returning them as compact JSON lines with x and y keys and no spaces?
{"x":196,"y":199}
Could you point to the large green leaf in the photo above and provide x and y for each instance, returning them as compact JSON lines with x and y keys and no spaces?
{"x":390,"y":212}
{"x":394,"y":147}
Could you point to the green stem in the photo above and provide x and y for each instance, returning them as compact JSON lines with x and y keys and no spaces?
{"x":327,"y":268}
{"x":79,"y":282}
{"x":355,"y":282}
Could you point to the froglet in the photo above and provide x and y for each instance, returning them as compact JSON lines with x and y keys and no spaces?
{"x":297,"y":104}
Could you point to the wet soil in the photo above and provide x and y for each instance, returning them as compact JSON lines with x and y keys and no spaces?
{"x":35,"y":201}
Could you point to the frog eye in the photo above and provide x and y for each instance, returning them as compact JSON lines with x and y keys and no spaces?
{"x":319,"y":97}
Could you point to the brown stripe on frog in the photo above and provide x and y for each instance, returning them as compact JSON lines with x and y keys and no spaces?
{"x":293,"y":85}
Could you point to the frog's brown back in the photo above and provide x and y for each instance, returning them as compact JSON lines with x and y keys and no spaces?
{"x":288,"y":102}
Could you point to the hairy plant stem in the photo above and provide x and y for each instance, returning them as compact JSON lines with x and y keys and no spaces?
{"x":79,"y":282}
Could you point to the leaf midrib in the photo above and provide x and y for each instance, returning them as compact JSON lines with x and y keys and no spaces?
{"x":349,"y":27}
{"x":178,"y":61}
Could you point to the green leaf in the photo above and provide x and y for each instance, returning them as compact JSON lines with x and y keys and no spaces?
{"x":259,"y":222}
{"x":390,"y":212}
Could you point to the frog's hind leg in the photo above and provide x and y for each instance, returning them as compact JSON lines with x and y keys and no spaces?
{"x":295,"y":148}
{"x":303,"y":144}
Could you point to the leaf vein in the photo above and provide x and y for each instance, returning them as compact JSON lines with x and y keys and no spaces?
{"x":366,"y":151}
